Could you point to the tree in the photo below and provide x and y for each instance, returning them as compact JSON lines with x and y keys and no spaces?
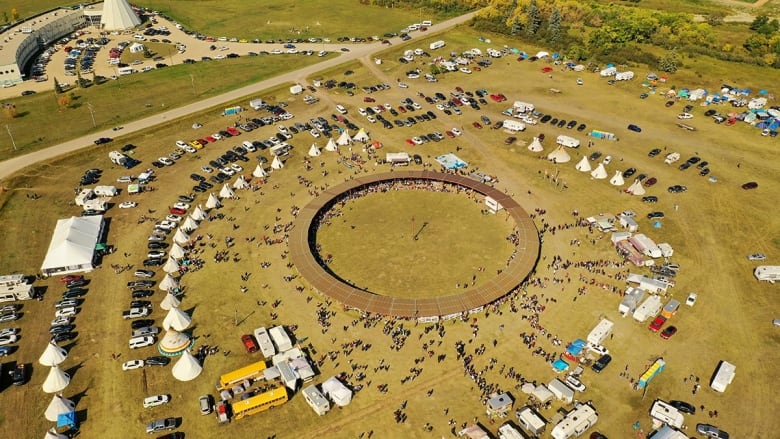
{"x":669,"y":62}
{"x":14,"y":14}
{"x":9,"y":111}
{"x":554,"y":27}
{"x":534,"y":19}
{"x":57,"y":87}
{"x":759,"y":22}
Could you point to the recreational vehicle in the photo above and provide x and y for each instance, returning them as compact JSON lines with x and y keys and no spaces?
{"x":768,"y":273}
{"x":316,"y":400}
{"x":531,"y":421}
{"x":264,"y":341}
{"x":600,"y":332}
{"x":398,"y":158}
{"x":649,"y":308}
{"x":513,"y":125}
{"x":437,"y":45}
{"x":280,"y":338}
{"x":575,"y":422}
{"x":724,"y":375}
{"x":567,"y":141}
{"x":665,"y":413}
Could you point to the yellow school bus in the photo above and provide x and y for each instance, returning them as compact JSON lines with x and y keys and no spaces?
{"x":251,"y":372}
{"x":260,"y":403}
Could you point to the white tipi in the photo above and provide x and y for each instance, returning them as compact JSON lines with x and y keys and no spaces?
{"x":52,"y":434}
{"x":118,"y":15}
{"x":176,"y":319}
{"x":536,"y":145}
{"x":636,"y":188}
{"x":213,"y":202}
{"x":168,"y":283}
{"x":559,"y":155}
{"x":277,"y":163}
{"x":187,"y":368}
{"x":174,"y":342}
{"x":259,"y":172}
{"x":361,"y":136}
{"x":331,"y":146}
{"x":240,"y":183}
{"x":56,"y":380}
{"x":180,"y":237}
{"x":177,"y":251}
{"x":58,"y":406}
{"x":344,"y":139}
{"x":53,"y":355}
{"x":170,"y":301}
{"x":617,"y":179}
{"x":314,"y":151}
{"x":599,"y":173}
{"x":198,"y":214}
{"x":171,"y":266}
{"x":226,"y":192}
{"x":583,"y":165}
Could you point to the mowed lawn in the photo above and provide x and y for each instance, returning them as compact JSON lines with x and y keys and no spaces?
{"x":713,"y":229}
{"x":415,"y":243}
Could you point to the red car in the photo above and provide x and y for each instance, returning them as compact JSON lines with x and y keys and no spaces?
{"x":233,"y":131}
{"x":450,"y":134}
{"x":477,"y":125}
{"x":203,"y":141}
{"x":210,"y":139}
{"x":402,"y":109}
{"x":656,"y":324}
{"x":668,"y":332}
{"x":177,"y":211}
{"x":459,"y":90}
{"x":249,"y":343}
{"x":651,"y":181}
{"x":369,"y":99}
{"x":409,"y":142}
{"x":71,"y":278}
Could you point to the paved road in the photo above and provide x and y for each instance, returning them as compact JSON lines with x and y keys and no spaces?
{"x":13,"y":165}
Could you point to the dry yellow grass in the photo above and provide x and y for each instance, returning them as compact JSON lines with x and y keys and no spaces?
{"x":717,"y":224}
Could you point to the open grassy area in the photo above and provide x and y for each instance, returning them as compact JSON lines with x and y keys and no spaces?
{"x":713,"y":228}
{"x":135,"y":96}
{"x":371,"y":243}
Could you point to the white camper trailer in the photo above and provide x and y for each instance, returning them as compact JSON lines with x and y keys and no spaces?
{"x":645,"y":245}
{"x":624,"y":76}
{"x":630,"y":301}
{"x":600,"y":332}
{"x":316,"y":400}
{"x":575,"y":422}
{"x":609,"y":71}
{"x":264,"y":341}
{"x":561,"y":390}
{"x":665,"y":413}
{"x":85,"y":195}
{"x":523,"y":107}
{"x":649,"y":308}
{"x":724,"y":375}
{"x":513,"y":125}
{"x":767,"y":273}
{"x":567,"y":141}
{"x":531,"y":421}
{"x":117,"y":158}
{"x":280,"y":338}
{"x":106,"y":191}
{"x":437,"y":45}
{"x":398,"y":158}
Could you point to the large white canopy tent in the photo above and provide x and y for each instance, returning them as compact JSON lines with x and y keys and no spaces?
{"x":58,"y":406}
{"x":53,"y":355}
{"x":56,"y":380}
{"x":176,"y":319}
{"x":72,"y":247}
{"x":583,"y":165}
{"x":118,"y":15}
{"x":187,"y":368}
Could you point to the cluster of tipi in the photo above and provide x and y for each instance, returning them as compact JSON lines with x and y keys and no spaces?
{"x":559,"y":155}
{"x":343,"y":140}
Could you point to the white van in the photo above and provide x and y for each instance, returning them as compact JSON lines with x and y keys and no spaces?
{"x":341,"y":109}
{"x":427,"y":23}
{"x":141,"y":342}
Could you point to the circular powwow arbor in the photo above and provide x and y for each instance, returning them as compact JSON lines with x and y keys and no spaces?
{"x":302,"y":241}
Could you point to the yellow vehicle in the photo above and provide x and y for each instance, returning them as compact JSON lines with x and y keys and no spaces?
{"x":260,"y":403}
{"x":195,"y":144}
{"x":251,"y":372}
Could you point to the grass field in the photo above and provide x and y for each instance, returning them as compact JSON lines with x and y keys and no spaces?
{"x":714,"y":227}
{"x":371,"y":243}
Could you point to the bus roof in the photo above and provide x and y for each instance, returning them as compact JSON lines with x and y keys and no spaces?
{"x":249,"y":371}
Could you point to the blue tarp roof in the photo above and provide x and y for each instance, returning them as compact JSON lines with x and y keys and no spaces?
{"x":67,"y":420}
{"x":575,"y":347}
{"x":560,"y":365}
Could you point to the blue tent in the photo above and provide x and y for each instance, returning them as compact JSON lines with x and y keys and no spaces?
{"x":576,"y":346}
{"x":610,"y":65}
{"x":657,"y":224}
{"x":67,"y":420}
{"x":555,"y":55}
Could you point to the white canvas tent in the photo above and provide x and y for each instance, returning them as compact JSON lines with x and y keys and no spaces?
{"x":331,"y":146}
{"x":176,"y":251}
{"x":52,"y":434}
{"x":58,"y":406}
{"x":542,"y":393}
{"x":180,"y":237}
{"x":536,"y":145}
{"x":559,"y":155}
{"x":226,"y":192}
{"x":344,"y":139}
{"x":171,"y":266}
{"x":72,"y":246}
{"x":636,"y":188}
{"x":176,"y":319}
{"x":277,"y":163}
{"x":168,"y":283}
{"x":198,"y":214}
{"x":118,"y":15}
{"x":314,"y":151}
{"x":583,"y":165}
{"x":361,"y":136}
{"x":259,"y":172}
{"x":56,"y":380}
{"x":240,"y":183}
{"x":170,"y":301}
{"x":337,"y":391}
{"x":617,"y":179}
{"x":187,"y":368}
{"x":53,"y":355}
{"x":213,"y":202}
{"x":599,"y":173}
{"x":173,"y":342}
{"x":189,"y":224}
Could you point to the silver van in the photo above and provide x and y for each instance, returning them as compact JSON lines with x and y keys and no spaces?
{"x":141,"y":342}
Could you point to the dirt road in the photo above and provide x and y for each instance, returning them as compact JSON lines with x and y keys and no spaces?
{"x":15,"y":164}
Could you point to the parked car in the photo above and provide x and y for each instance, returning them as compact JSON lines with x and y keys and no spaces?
{"x":206,"y":403}
{"x":6,"y":351}
{"x":154,"y":401}
{"x":133,"y":364}
{"x":64,"y":336}
{"x":691,"y":300}
{"x":750,"y":185}
{"x":654,"y":152}
{"x":19,"y":374}
{"x":657,"y":323}
{"x":711,"y":431}
{"x":161,"y":425}
{"x":135,"y":313}
{"x":144,"y":273}
{"x":66,"y":312}
{"x":634,"y":128}
{"x":601,"y":363}
{"x":575,"y":383}
{"x":249,"y":343}
{"x":127,"y":205}
{"x":9,"y":339}
{"x":71,"y":278}
{"x":76,"y":283}
{"x":141,"y":342}
{"x":56,"y":329}
{"x":683,"y":406}
{"x":157,"y":361}
{"x":756,"y":257}
{"x":650,"y":199}
{"x":10,"y":317}
{"x":668,"y":332}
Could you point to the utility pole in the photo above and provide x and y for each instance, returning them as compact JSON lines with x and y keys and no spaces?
{"x":8,"y":127}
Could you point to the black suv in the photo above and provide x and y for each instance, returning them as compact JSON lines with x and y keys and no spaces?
{"x":601,"y":363}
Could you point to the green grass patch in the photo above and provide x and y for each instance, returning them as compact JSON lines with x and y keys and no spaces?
{"x":135,"y":96}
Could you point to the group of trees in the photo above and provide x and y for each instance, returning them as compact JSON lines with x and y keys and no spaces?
{"x":14,"y":16}
{"x":612,"y":32}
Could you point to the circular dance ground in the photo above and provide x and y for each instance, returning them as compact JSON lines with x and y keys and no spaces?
{"x":429,"y":264}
